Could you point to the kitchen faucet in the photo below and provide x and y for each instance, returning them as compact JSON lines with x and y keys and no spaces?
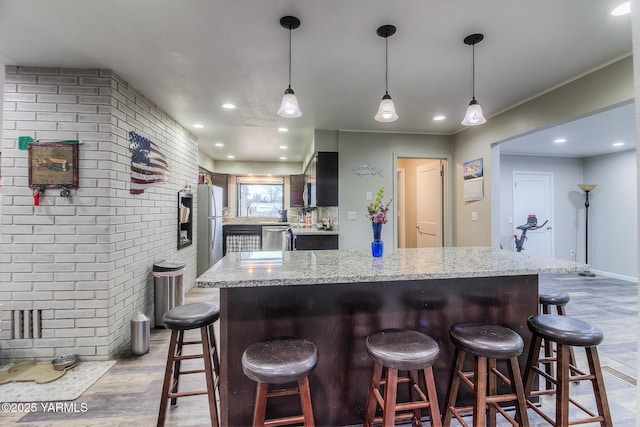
{"x":248,"y":212}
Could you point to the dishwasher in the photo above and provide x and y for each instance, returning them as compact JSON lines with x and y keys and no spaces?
{"x":276,"y":238}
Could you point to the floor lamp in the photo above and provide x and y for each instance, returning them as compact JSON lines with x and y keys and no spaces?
{"x":586,"y":188}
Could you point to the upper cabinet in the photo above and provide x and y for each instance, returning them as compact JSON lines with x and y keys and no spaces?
{"x":296,"y":191}
{"x":217,"y":179}
{"x":222,"y":180}
{"x":321,"y":180}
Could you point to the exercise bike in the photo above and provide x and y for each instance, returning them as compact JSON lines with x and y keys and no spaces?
{"x":531,"y":224}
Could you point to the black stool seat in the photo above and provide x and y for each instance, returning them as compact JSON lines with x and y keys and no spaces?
{"x":548,"y":297}
{"x":404,"y":350}
{"x":565,"y":330}
{"x":279,"y":360}
{"x":191,"y":316}
{"x":491,"y":341}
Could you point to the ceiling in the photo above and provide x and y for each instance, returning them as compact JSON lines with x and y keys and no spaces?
{"x":191,"y":56}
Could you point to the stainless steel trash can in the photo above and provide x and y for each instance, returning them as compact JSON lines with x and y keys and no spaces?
{"x":140,"y":333}
{"x":168,"y":287}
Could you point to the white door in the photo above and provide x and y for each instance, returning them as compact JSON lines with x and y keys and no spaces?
{"x":429,"y":204}
{"x":401,"y":177}
{"x":533,"y":195}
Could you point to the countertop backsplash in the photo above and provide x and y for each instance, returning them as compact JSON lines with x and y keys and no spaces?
{"x":294,"y":217}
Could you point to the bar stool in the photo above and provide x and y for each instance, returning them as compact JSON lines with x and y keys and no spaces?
{"x":277,"y":361}
{"x":566,"y":332}
{"x":547,"y":299}
{"x":199,"y":315}
{"x":401,"y":350}
{"x":487,"y":344}
{"x":550,"y":298}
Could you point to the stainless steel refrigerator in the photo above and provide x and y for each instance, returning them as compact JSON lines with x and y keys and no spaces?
{"x":209,"y":226}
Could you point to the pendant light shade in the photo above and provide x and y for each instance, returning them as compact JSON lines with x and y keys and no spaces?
{"x":386,"y":110}
{"x":289,"y":106}
{"x":474,"y":115}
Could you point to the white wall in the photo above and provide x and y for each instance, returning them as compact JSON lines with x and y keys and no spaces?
{"x":375,"y":149}
{"x":613,"y":241}
{"x":84,"y":262}
{"x":610,"y":85}
{"x":567,"y":223}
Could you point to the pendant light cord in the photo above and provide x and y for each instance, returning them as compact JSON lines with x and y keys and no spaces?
{"x":386,"y":65}
{"x":289,"y":56}
{"x":473,"y":72}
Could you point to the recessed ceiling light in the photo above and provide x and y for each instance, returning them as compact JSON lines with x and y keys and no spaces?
{"x":228,"y":106}
{"x":284,"y":147}
{"x":219,"y":144}
{"x":439,"y":117}
{"x":283,"y":129}
{"x":230,"y":156}
{"x":623,"y":9}
{"x":283,"y":158}
{"x":560,"y":140}
{"x":618,"y":144}
{"x":198,"y":126}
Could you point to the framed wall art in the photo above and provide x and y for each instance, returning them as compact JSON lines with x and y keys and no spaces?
{"x":53,"y":165}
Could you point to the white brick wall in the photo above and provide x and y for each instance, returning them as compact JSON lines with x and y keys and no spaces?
{"x":86,"y":260}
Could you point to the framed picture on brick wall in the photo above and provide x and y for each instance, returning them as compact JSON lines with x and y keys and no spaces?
{"x":53,"y":165}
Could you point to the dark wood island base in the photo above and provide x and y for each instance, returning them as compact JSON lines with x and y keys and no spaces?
{"x":338,"y":317}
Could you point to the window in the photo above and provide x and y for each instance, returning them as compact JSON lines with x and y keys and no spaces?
{"x":260,"y":197}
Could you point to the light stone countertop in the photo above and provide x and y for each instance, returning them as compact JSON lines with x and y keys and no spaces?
{"x":251,"y":269}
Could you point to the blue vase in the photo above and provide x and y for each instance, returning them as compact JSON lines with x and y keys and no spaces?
{"x":377,"y":246}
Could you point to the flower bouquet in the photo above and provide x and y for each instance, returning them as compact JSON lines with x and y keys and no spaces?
{"x":377,"y":213}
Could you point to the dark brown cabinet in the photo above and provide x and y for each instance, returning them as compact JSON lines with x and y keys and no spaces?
{"x":315,"y":242}
{"x":222,"y":180}
{"x":185,"y":219}
{"x":321,"y":179}
{"x":296,"y":190}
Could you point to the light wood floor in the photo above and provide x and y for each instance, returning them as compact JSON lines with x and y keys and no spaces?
{"x":129,"y":394}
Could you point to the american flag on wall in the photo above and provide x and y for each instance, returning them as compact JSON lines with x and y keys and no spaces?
{"x":148,"y":164}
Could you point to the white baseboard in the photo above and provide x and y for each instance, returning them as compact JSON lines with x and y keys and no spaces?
{"x":615,"y":276}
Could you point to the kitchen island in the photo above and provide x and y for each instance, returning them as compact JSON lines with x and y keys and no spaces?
{"x":336,"y":298}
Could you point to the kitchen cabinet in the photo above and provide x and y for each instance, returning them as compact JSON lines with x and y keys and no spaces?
{"x":222,"y":180}
{"x":314,"y":242}
{"x":296,"y":190}
{"x":219,"y":180}
{"x":322,"y":180}
{"x":185,"y":222}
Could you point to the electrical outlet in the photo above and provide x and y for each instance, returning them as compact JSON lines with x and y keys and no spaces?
{"x":369,"y":196}
{"x":510,"y":220}
{"x":474,"y":216}
{"x":351,"y":215}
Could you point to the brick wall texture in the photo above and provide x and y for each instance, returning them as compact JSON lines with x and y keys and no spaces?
{"x":83,"y":263}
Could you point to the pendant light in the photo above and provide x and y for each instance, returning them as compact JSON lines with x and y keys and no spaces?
{"x":386,"y":111}
{"x":474,"y":116}
{"x":289,"y":106}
